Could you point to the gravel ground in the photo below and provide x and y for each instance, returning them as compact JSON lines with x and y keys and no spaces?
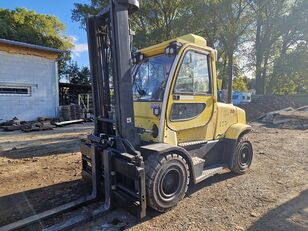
{"x":42,"y":169}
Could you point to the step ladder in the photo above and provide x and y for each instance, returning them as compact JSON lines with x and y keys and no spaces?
{"x":201,"y":172}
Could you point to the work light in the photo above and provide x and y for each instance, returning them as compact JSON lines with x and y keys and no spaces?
{"x":138,"y":57}
{"x":173,"y":48}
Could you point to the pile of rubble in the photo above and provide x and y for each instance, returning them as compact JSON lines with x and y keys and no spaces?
{"x":69,"y":114}
{"x":261,"y":105}
{"x":41,"y":124}
{"x":288,"y":118}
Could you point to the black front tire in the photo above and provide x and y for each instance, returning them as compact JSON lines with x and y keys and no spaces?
{"x":167,"y":179}
{"x":242,"y":156}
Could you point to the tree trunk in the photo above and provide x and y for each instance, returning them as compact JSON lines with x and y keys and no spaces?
{"x":259,"y":54}
{"x":224,"y":84}
{"x":264,"y":71}
{"x":271,"y":85}
{"x":230,"y":75}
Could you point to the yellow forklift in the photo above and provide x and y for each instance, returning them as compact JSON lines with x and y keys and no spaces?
{"x":162,"y":116}
{"x":158,"y":124}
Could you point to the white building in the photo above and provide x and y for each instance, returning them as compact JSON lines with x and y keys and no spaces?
{"x":28,"y":81}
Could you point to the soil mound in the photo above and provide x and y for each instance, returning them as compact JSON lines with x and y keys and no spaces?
{"x":261,"y":105}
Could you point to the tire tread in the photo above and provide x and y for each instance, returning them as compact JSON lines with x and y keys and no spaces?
{"x":152,"y":166}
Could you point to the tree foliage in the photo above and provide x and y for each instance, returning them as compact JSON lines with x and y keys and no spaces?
{"x":268,"y":35}
{"x":159,"y":20}
{"x":30,"y":27}
{"x":76,"y":75}
{"x":290,"y":72}
{"x":280,"y":25}
{"x":240,"y":84}
{"x":81,"y":10}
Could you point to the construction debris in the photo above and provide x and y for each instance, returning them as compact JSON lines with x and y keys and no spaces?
{"x":41,"y":124}
{"x":260,"y":105}
{"x":11,"y":122}
{"x":25,"y":126}
{"x":70,"y":114}
{"x":11,"y":125}
{"x":11,"y":128}
{"x":31,"y":127}
{"x":288,"y":118}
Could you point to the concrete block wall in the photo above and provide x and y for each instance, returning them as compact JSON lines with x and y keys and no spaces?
{"x":38,"y":73}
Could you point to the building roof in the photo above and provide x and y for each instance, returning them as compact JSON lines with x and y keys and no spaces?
{"x":30,"y":46}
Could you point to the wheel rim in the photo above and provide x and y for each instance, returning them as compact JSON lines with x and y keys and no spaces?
{"x":245,"y":156}
{"x":170,"y":183}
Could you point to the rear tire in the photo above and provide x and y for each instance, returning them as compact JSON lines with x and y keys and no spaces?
{"x":242,"y":156}
{"x":167,"y":179}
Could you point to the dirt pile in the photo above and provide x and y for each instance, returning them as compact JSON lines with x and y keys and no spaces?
{"x":261,"y":105}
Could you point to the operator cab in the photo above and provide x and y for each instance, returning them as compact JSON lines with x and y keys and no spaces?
{"x":173,"y":90}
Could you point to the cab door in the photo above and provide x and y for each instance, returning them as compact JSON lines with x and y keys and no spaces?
{"x":190,"y":104}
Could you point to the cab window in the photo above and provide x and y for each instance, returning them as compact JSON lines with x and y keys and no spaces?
{"x":194,"y":74}
{"x":150,"y":78}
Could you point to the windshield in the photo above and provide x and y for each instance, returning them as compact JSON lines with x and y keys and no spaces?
{"x":151,"y":77}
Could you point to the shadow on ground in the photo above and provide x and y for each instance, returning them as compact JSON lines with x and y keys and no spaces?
{"x":16,"y":145}
{"x":20,"y":205}
{"x":292,"y":215}
{"x":63,"y":146}
{"x":151,"y":213}
{"x":24,"y":204}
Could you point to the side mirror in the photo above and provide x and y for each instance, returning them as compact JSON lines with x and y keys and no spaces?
{"x":215,"y":55}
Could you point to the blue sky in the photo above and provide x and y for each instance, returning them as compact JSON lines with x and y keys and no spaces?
{"x":62,"y":9}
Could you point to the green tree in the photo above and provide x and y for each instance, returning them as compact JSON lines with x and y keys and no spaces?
{"x":266,"y":16}
{"x":279,"y":26}
{"x":82,"y":10}
{"x":154,"y":22}
{"x":233,"y":26}
{"x":240,"y":84}
{"x":224,"y":25}
{"x":30,"y":27}
{"x":204,"y":21}
{"x":291,"y":55}
{"x":273,"y":29}
{"x":290,"y":70}
{"x":160,"y":20}
{"x":76,"y":75}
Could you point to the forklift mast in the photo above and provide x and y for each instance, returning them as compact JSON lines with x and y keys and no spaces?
{"x":110,"y":63}
{"x":109,"y":156}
